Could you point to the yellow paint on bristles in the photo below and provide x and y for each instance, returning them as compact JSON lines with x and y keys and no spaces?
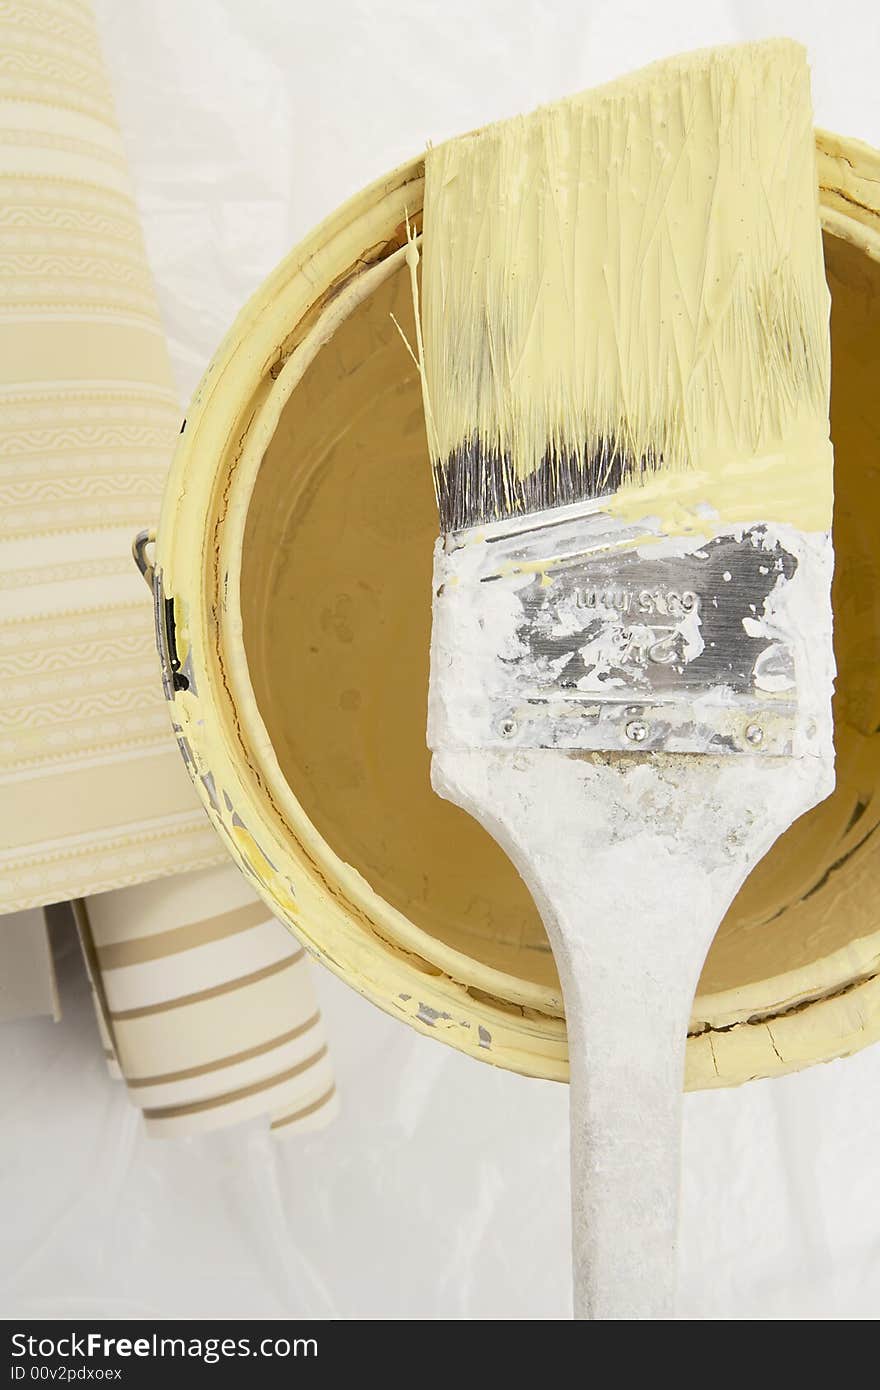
{"x":640,"y":264}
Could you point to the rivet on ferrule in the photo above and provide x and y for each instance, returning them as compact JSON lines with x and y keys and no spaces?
{"x":636,"y":731}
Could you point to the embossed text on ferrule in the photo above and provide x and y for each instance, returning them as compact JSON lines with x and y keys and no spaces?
{"x":670,"y":603}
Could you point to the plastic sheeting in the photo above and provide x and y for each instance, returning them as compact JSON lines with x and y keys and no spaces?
{"x":442,"y":1190}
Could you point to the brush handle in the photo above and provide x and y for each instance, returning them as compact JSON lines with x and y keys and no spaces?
{"x":628,"y":979}
{"x":632,"y":862}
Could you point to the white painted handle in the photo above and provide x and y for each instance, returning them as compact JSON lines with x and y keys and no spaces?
{"x":627,"y":1013}
{"x":632,"y":861}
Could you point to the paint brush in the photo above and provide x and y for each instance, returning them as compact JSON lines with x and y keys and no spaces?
{"x":624,"y":350}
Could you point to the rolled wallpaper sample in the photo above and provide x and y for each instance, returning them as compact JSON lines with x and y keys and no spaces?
{"x":27,"y":975}
{"x":206,"y":1006}
{"x":204,"y":1002}
{"x":93,"y":793}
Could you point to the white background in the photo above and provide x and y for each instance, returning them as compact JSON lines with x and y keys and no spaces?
{"x":442,"y":1190}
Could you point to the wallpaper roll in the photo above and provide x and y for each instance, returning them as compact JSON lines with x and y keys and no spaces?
{"x":93,"y":792}
{"x":28,"y":987}
{"x":204,"y":1002}
{"x":206,"y":1006}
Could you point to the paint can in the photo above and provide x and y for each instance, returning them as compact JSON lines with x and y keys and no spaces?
{"x":292,"y":590}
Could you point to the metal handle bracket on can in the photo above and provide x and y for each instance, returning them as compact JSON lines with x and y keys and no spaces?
{"x":174,"y":677}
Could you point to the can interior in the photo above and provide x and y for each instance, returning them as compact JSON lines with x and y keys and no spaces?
{"x":336,"y":609}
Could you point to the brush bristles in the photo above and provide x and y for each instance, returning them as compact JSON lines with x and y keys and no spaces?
{"x":624,"y":284}
{"x":473,"y":487}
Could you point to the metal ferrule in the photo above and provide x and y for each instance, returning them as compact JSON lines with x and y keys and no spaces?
{"x":573,"y":629}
